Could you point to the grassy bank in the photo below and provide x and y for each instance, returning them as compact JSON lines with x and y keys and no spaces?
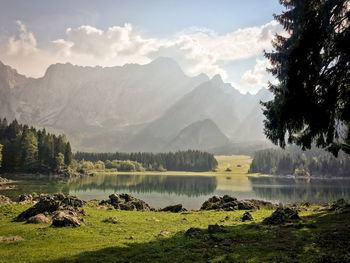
{"x":227,"y":165}
{"x":128,"y":236}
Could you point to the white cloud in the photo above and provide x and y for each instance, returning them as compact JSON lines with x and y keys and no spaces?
{"x":23,"y":45}
{"x":197,"y":50}
{"x":257,"y":78}
{"x":202,"y":50}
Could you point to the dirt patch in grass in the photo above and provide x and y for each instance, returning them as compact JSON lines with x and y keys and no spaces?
{"x":10,"y":239}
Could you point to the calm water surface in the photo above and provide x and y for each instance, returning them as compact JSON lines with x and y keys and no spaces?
{"x":191,"y":191}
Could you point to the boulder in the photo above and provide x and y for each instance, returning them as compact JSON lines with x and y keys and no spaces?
{"x":59,"y":196}
{"x":25,"y":199}
{"x":229,"y":206}
{"x":227,"y":203}
{"x":215,"y":199}
{"x":172,"y":208}
{"x":229,"y":198}
{"x":126,"y":197}
{"x":65,"y":218}
{"x":126,"y":202}
{"x":73,"y":201}
{"x":340,"y":204}
{"x":39,"y":219}
{"x":246,"y":205}
{"x":281,"y":216}
{"x":247,"y":217}
{"x":126,"y":206}
{"x":115,"y":198}
{"x":5,"y":200}
{"x":291,"y":213}
{"x":50,"y":204}
{"x":46,"y":204}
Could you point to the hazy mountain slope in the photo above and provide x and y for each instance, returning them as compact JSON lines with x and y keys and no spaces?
{"x":149,"y":107}
{"x":9,"y":80}
{"x":252,"y":126}
{"x":207,"y":101}
{"x":72,"y":97}
{"x":214,"y":100}
{"x":201,"y":135}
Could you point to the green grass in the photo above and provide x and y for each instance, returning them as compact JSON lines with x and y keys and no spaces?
{"x":107,"y":237}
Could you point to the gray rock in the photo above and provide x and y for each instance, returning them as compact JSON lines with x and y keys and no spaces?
{"x":46,"y":204}
{"x":247,"y":217}
{"x":173,"y":208}
{"x":5,"y":200}
{"x":229,"y":198}
{"x":65,"y":218}
{"x":227,"y":203}
{"x":246,"y":205}
{"x":281,"y":216}
{"x":340,"y":204}
{"x":25,"y":199}
{"x":49,"y":204}
{"x":39,"y":219}
{"x":115,"y":198}
{"x":126,"y":202}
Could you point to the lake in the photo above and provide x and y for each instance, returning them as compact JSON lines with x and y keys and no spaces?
{"x":190,"y":190}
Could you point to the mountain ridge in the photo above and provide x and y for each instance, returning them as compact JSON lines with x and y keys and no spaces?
{"x":144,"y":107}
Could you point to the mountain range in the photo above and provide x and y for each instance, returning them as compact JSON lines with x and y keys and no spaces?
{"x":153,"y":107}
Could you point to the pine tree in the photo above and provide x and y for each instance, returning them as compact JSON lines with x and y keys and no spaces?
{"x":29,"y":148}
{"x":312,"y":100}
{"x":0,"y":154}
{"x":68,"y":154}
{"x":59,"y":163}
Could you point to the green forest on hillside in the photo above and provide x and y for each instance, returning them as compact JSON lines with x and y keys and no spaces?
{"x":190,"y":160}
{"x":293,"y":161}
{"x":27,"y":149}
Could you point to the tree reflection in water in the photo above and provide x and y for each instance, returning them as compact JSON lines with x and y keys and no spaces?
{"x":191,"y":186}
{"x":192,"y":191}
{"x":290,"y":190}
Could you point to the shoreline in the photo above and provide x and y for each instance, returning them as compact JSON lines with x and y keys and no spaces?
{"x":167,"y":173}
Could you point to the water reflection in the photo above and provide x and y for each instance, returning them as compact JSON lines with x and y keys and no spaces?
{"x":290,"y":190}
{"x":32,"y":184}
{"x":191,"y":191}
{"x":190,"y":186}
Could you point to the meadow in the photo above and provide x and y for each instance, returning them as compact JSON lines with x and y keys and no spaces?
{"x":110,"y":235}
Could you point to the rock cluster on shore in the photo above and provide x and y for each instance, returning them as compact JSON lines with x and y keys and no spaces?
{"x":230,"y":203}
{"x":61,"y":209}
{"x":126,"y":202}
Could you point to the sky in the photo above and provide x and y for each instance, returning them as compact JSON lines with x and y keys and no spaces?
{"x":225,"y":37}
